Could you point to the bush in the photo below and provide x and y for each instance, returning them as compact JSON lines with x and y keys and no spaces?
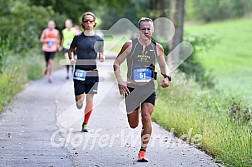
{"x":216,"y":9}
{"x":192,"y":67}
{"x":17,"y":69}
{"x":239,"y":113}
{"x":12,"y":80}
{"x":34,"y":64}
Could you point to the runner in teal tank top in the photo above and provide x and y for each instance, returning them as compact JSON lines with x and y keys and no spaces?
{"x":141,"y":55}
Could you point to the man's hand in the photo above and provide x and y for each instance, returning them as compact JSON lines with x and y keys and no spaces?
{"x":59,"y":48}
{"x":72,"y":61}
{"x":101,"y":57}
{"x":165,"y":83}
{"x":123,"y":89}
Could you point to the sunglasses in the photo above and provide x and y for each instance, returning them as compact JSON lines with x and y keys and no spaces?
{"x":88,"y":21}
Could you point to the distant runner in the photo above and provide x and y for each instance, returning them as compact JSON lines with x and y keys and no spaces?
{"x":50,"y":39}
{"x":67,"y":37}
{"x":77,"y":29}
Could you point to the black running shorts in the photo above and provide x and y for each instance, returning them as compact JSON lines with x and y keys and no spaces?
{"x":139,"y":95}
{"x":89,"y":86}
{"x":65,"y":50}
{"x":49,"y":55}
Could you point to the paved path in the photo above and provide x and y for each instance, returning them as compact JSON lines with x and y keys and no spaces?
{"x":27,"y":125}
{"x":41,"y":127}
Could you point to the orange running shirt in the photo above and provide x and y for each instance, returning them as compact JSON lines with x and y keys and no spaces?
{"x":51,"y":40}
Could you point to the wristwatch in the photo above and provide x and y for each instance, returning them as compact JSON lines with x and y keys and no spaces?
{"x":167,"y":76}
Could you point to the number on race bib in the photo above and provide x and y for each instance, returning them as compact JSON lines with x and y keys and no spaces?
{"x":142,"y":75}
{"x":80,"y":75}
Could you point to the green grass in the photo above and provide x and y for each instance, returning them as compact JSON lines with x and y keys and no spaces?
{"x":185,"y":105}
{"x":12,"y":80}
{"x":230,"y":59}
{"x":18,"y":69}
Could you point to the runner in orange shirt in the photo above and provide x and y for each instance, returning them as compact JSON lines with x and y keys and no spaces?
{"x":50,"y":39}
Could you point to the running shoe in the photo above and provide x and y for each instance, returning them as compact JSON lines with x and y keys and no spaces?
{"x":79,"y":104}
{"x":142,"y":156}
{"x":84,"y":128}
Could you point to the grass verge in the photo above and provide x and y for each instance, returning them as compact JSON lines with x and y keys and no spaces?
{"x":18,"y":69}
{"x":208,"y":116}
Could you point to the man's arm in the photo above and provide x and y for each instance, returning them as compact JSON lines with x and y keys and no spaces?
{"x":42,"y":36}
{"x":58,"y":39}
{"x":62,"y":40}
{"x":70,"y":56}
{"x":123,"y":54}
{"x":101,"y":57}
{"x":71,"y":51}
{"x":163,"y":66}
{"x":101,"y":50}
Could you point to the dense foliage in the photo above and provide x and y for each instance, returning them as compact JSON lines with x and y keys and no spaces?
{"x":217,"y":9}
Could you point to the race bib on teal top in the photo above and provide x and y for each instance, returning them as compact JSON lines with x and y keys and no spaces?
{"x":80,"y":75}
{"x":142,"y":75}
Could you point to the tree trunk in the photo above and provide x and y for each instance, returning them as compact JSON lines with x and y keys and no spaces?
{"x":245,"y":5}
{"x":177,"y":17}
{"x":160,"y":7}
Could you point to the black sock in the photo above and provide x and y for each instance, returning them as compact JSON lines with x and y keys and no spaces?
{"x":143,"y":149}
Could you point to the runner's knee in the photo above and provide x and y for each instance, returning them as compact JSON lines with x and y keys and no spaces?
{"x":133,"y":125}
{"x":79,"y":97}
{"x":133,"y":119}
{"x":89,"y":99}
{"x":146,"y":117}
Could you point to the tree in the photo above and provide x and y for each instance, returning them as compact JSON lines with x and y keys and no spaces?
{"x":217,"y":9}
{"x":160,"y":7}
{"x":21,"y":23}
{"x":177,"y":16}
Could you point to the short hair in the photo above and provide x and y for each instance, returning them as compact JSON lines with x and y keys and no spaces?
{"x":88,"y":13}
{"x":144,"y":19}
{"x":68,"y":20}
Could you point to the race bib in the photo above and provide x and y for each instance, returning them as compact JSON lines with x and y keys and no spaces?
{"x":80,"y":75}
{"x":142,"y":75}
{"x":50,"y":43}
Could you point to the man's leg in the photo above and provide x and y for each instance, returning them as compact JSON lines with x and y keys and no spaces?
{"x":50,"y":65}
{"x":79,"y":100}
{"x":133,"y":118}
{"x":67,"y":66}
{"x":47,"y":56}
{"x":147,"y":109}
{"x":89,"y":107}
{"x":90,"y":90}
{"x":132,"y":108}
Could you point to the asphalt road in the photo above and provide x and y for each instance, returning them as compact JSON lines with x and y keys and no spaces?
{"x":41,"y":127}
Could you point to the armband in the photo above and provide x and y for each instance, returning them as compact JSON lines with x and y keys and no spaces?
{"x":167,"y":76}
